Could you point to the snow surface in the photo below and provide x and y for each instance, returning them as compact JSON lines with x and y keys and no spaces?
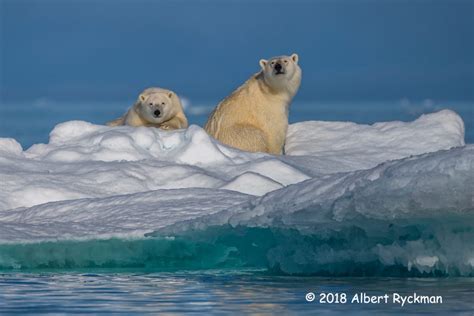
{"x":393,"y":194}
{"x":352,"y":146}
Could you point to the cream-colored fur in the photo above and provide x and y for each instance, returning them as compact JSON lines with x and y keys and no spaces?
{"x":255,"y":116}
{"x":144,"y":111}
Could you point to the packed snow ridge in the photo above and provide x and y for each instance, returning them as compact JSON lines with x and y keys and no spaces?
{"x":83,"y":160}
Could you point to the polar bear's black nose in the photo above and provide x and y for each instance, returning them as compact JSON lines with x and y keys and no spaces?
{"x":156,"y":113}
{"x":278,"y":67}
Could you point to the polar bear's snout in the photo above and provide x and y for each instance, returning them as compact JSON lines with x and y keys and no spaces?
{"x":279,"y":69}
{"x":157,"y":113}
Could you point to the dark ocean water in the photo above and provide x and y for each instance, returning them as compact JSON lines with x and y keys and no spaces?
{"x":224,"y":292}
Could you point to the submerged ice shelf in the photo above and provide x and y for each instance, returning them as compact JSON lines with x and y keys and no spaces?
{"x":389,"y":198}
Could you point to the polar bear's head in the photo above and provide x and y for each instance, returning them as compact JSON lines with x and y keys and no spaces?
{"x":282,"y":72}
{"x":156,"y":107}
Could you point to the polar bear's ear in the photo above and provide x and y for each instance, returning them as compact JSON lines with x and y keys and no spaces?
{"x":295,"y":58}
{"x":170,"y":94}
{"x":263,"y":63}
{"x":142,"y":97}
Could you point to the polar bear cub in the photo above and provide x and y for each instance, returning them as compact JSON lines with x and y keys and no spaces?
{"x":155,"y":107}
{"x":255,"y":116}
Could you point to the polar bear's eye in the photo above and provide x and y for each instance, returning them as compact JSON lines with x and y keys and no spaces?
{"x":162,"y":103}
{"x":151,"y":103}
{"x":273,"y":63}
{"x":286,"y":61}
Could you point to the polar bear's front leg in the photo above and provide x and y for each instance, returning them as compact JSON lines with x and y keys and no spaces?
{"x":116,"y":122}
{"x":175,"y":123}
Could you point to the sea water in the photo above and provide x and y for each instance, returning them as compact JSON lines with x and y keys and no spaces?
{"x":118,"y":290}
{"x":220,"y":291}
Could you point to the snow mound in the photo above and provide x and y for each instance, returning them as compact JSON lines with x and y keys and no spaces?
{"x":392,"y":198}
{"x":82,"y":141}
{"x":9,"y":146}
{"x":83,"y":160}
{"x":356,"y":146}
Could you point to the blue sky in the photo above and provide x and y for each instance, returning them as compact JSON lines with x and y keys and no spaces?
{"x":349,"y":50}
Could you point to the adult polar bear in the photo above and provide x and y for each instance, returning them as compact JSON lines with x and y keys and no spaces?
{"x":255,"y":116}
{"x":155,"y":107}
